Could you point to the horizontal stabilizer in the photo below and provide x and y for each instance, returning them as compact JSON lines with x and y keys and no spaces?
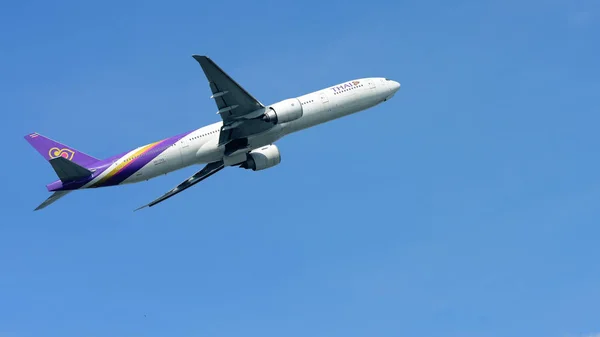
{"x":55,"y":196}
{"x":68,"y":171}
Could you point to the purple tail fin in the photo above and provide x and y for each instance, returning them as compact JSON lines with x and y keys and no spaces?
{"x":49,"y":149}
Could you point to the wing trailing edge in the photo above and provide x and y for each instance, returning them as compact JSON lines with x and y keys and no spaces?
{"x":206,"y":172}
{"x":51,"y":199}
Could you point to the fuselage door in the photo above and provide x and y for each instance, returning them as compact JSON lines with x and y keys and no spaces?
{"x":371,"y":84}
{"x":184,"y":148}
{"x":325,"y":101}
{"x":324,"y":98}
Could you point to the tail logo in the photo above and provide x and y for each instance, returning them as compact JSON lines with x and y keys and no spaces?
{"x":65,"y":153}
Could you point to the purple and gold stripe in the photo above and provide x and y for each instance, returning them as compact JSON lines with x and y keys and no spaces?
{"x":136,"y":161}
{"x":129,"y":161}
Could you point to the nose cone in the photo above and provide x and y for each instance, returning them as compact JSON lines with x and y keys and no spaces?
{"x":394,"y":86}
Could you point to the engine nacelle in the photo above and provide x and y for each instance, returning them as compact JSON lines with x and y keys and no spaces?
{"x":263,"y":158}
{"x":284,"y":111}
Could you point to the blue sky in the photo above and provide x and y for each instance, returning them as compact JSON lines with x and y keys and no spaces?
{"x":465,"y":206}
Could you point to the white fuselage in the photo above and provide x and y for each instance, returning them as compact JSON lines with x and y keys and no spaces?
{"x":201,"y":145}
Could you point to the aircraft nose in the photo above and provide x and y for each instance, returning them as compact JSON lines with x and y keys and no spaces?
{"x":393,"y":85}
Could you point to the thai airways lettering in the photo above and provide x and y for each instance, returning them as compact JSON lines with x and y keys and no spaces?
{"x":345,"y":86}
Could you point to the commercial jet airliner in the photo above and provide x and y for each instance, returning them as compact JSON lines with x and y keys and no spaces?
{"x":244,"y":137}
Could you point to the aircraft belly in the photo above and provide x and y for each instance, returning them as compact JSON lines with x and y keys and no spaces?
{"x":267,"y":138}
{"x":207,"y":152}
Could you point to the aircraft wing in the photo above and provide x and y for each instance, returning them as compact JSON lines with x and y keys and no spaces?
{"x":232,"y":100}
{"x":51,"y":199}
{"x":206,"y":172}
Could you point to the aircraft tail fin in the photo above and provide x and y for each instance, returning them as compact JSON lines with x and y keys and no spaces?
{"x":68,"y":171}
{"x":55,"y":196}
{"x":50,"y":149}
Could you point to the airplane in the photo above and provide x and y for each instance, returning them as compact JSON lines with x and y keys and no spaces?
{"x":243,"y":138}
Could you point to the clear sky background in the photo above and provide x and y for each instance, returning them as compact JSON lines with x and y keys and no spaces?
{"x":465,"y":206}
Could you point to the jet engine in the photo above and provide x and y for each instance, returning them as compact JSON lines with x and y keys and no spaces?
{"x":284,"y":111}
{"x":263,"y":158}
